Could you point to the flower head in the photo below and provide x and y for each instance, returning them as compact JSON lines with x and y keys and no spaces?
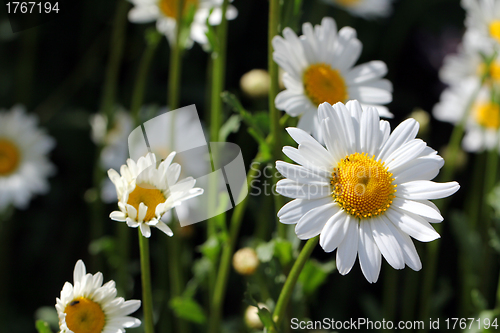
{"x":164,"y":12}
{"x":482,"y":124}
{"x":319,"y":68}
{"x":146,"y":192}
{"x":367,"y":192}
{"x":88,"y":306}
{"x":24,"y":166}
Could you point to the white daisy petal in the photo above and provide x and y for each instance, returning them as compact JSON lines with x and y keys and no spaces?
{"x":312,"y":222}
{"x":413,"y":225}
{"x":118,"y":216}
{"x":334,"y":231}
{"x":295,"y":209}
{"x":145,"y":230}
{"x":387,"y":243}
{"x":425,"y":189}
{"x":313,"y":190}
{"x":409,"y":251}
{"x":369,"y":254}
{"x":348,"y":249}
{"x":405,"y":132}
{"x":418,"y":208}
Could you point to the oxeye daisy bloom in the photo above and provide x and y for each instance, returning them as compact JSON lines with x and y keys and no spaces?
{"x":146,"y":192}
{"x":482,"y":126}
{"x":367,"y":192}
{"x":164,"y":12}
{"x":364,"y":8}
{"x":482,"y":22}
{"x":24,"y":165}
{"x":318,"y":68}
{"x":88,"y":306}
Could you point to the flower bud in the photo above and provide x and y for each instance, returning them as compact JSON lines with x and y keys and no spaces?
{"x":252,"y":319}
{"x":245,"y":261}
{"x":255,"y":83}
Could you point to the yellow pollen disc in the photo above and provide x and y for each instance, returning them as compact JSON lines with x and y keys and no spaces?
{"x":324,"y":84}
{"x":347,"y":3}
{"x":169,"y":7}
{"x":494,"y":28}
{"x":9,"y":157}
{"x":84,"y":316}
{"x":488,"y":115}
{"x":362,"y":186}
{"x":149,"y":195}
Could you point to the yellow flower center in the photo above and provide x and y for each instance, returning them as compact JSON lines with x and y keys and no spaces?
{"x":347,"y":3}
{"x":10,"y":157}
{"x":149,"y":195}
{"x":169,"y":7}
{"x":84,"y":316}
{"x":362,"y":186}
{"x":488,"y":115}
{"x":324,"y":84}
{"x":494,"y":28}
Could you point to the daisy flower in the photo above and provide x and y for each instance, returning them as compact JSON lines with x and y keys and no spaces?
{"x":482,"y":22}
{"x":364,"y":8}
{"x":91,"y":307}
{"x":367,"y":192}
{"x":482,"y":127}
{"x":147,"y":192}
{"x":319,"y":68}
{"x":24,"y":165}
{"x":164,"y":12}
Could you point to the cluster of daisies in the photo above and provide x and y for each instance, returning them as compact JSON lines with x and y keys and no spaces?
{"x":366,"y":191}
{"x":473,"y":78}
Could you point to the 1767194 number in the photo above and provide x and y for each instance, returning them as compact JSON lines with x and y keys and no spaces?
{"x":30,"y":7}
{"x":471,"y":323}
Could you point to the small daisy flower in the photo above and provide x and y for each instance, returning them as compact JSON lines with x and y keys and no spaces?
{"x":24,"y":166}
{"x":164,"y":12}
{"x":147,"y":192}
{"x":319,"y":68}
{"x":367,"y":9}
{"x":88,"y":306}
{"x":483,"y":22}
{"x":367,"y":192}
{"x":482,"y":127}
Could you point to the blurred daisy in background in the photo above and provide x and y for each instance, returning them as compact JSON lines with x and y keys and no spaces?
{"x":483,"y":23}
{"x":319,"y":68}
{"x":367,"y":9}
{"x":24,"y":165}
{"x":367,"y":192}
{"x":90,"y":306}
{"x":482,"y":126}
{"x":164,"y":12}
{"x":146,"y":192}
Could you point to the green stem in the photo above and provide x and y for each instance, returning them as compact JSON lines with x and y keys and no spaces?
{"x":225,"y":261}
{"x":153,"y":38}
{"x":114,"y":60}
{"x":218,"y":76}
{"x":147,"y":297}
{"x":174,"y":74}
{"x":274,"y":114}
{"x":291,"y":280}
{"x":26,"y":66}
{"x":390,"y":293}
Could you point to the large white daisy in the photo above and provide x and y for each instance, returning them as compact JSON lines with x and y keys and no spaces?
{"x":164,"y":12}
{"x":367,"y":192}
{"x":482,"y":126}
{"x":364,"y":8}
{"x":318,"y":68}
{"x":146,"y":192}
{"x":88,"y":306}
{"x":24,"y":165}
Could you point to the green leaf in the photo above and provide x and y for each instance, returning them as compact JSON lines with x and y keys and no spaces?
{"x":42,"y":327}
{"x":314,"y":274}
{"x":265,"y":251}
{"x":211,"y":248}
{"x":257,"y":121}
{"x":188,"y":309}
{"x":283,"y":250}
{"x":232,"y":125}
